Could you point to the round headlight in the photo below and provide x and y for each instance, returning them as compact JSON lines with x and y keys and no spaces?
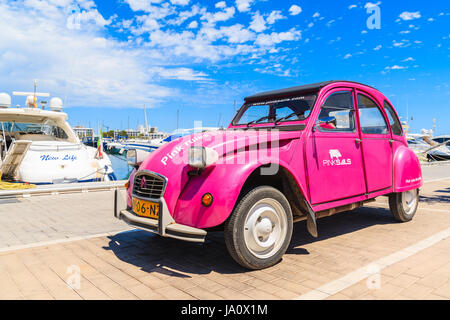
{"x":202,"y":157}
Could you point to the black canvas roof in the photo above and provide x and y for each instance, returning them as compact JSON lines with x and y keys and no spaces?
{"x":314,"y":87}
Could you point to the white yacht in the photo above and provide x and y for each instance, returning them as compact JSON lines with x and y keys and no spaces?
{"x":430,"y":148}
{"x":39,"y":146}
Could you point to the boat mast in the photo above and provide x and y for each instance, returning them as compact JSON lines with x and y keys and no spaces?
{"x":146,"y":123}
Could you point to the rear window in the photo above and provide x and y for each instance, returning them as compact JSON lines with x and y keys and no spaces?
{"x":393,"y":119}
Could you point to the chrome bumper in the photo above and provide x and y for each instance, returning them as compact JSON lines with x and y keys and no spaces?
{"x":164,"y":226}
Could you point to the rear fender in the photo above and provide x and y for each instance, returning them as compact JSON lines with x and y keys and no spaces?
{"x":407,"y":170}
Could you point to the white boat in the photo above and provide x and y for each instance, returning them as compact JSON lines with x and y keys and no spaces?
{"x":151,"y":145}
{"x":430,"y":148}
{"x":442,"y":138}
{"x":181,"y":133}
{"x":40,"y":147}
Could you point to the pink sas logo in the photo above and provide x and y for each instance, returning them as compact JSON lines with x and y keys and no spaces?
{"x":335,"y":159}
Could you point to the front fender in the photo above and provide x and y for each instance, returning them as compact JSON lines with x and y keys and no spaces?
{"x":225,"y":183}
{"x":407,"y":170}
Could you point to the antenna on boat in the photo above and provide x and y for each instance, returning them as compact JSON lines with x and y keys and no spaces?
{"x":220,"y":120}
{"x":31,"y":101}
{"x":146,"y":123}
{"x":56,"y":104}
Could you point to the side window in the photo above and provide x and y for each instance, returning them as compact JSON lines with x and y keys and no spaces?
{"x":393,"y":120}
{"x":370,"y":116}
{"x":337,"y":113}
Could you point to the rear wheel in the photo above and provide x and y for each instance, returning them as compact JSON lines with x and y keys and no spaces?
{"x":259,"y":230}
{"x":403,"y":205}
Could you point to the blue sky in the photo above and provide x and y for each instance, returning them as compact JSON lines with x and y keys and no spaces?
{"x":107,"y":58}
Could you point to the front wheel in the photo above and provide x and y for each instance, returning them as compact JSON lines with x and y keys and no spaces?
{"x":403,"y":205}
{"x":259,"y":230}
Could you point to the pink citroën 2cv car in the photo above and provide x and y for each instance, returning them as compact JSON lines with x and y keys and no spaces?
{"x":300,"y":153}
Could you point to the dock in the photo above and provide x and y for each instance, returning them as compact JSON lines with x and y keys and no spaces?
{"x":50,"y":239}
{"x":55,"y":189}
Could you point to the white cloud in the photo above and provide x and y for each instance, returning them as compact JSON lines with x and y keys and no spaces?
{"x":180,"y":2}
{"x":295,"y":10}
{"x":221,"y":4}
{"x":406,"y":16}
{"x":141,"y":5}
{"x":408,"y":59}
{"x":347,"y":56}
{"x":268,"y":40}
{"x":350,"y":7}
{"x":76,"y":64}
{"x":193,"y":25}
{"x":274,"y":16}
{"x":180,"y":74}
{"x":184,"y":15}
{"x":243,"y":5}
{"x":371,"y":5}
{"x":310,"y":25}
{"x":224,"y":15}
{"x":316,"y":15}
{"x":237,"y":34}
{"x":396,"y":67}
{"x":401,"y":44}
{"x":146,"y":24}
{"x":258,"y":23}
{"x":378,"y":47}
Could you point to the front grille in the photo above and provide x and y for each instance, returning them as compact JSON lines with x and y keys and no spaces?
{"x":149,"y":186}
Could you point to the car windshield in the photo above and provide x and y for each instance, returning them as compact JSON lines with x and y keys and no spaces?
{"x":277,"y":111}
{"x":49,"y":128}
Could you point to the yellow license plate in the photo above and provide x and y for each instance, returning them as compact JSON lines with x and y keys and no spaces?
{"x":145,"y":208}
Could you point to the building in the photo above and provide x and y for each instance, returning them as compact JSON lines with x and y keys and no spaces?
{"x":83,"y":132}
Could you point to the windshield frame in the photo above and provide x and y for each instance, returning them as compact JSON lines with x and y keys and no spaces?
{"x":274,"y":123}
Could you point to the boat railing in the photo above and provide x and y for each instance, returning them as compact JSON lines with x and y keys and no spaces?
{"x":42,"y":147}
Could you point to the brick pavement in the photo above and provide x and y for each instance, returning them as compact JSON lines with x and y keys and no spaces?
{"x":46,"y":218}
{"x":139,"y":265}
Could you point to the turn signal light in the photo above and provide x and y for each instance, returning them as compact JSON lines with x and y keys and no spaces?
{"x":207,"y":199}
{"x":127,"y":185}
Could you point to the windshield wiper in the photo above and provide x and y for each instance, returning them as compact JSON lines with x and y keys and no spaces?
{"x":288,"y":116}
{"x":258,"y":120}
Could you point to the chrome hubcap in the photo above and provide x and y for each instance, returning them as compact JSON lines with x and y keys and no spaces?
{"x":265,"y":228}
{"x":409,"y":201}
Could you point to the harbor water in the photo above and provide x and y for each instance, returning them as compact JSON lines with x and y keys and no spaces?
{"x":120,"y":166}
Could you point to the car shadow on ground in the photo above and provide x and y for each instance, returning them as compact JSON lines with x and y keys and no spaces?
{"x":176,"y":258}
{"x":439,"y":196}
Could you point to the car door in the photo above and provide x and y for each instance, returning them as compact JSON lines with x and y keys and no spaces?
{"x":376,"y":143}
{"x":333,"y":153}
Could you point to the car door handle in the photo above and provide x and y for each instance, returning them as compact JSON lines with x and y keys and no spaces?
{"x":358,"y":140}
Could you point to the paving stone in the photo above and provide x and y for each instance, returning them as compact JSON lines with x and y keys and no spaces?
{"x":140,"y":265}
